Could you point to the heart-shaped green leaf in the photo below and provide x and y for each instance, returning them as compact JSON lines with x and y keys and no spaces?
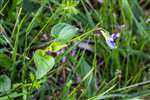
{"x":64,"y":32}
{"x":5,"y":84}
{"x":44,"y":63}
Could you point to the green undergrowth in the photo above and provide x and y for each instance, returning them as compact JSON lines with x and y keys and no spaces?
{"x":59,"y":50}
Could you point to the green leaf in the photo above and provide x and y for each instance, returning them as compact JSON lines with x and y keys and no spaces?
{"x":56,"y":46}
{"x":64,"y":32}
{"x":86,"y":71}
{"x":12,"y":96}
{"x":5,"y":61}
{"x":44,"y":63}
{"x":2,"y":41}
{"x":5,"y":84}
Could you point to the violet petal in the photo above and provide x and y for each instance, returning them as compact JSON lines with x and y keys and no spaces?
{"x":114,"y":36}
{"x":110,"y":43}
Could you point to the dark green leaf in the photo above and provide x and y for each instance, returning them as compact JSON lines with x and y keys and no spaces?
{"x":2,"y":41}
{"x":5,"y":84}
{"x":5,"y":61}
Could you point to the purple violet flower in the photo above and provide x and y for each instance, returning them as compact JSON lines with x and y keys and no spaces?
{"x":114,"y":36}
{"x":111,"y":40}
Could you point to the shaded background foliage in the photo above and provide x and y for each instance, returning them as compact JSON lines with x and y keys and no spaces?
{"x":87,"y":68}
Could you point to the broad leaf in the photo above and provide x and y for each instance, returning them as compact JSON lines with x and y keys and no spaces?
{"x":5,"y":84}
{"x":44,"y":63}
{"x":64,"y":32}
{"x":5,"y":61}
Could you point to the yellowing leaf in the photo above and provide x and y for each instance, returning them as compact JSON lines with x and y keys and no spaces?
{"x":56,"y":46}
